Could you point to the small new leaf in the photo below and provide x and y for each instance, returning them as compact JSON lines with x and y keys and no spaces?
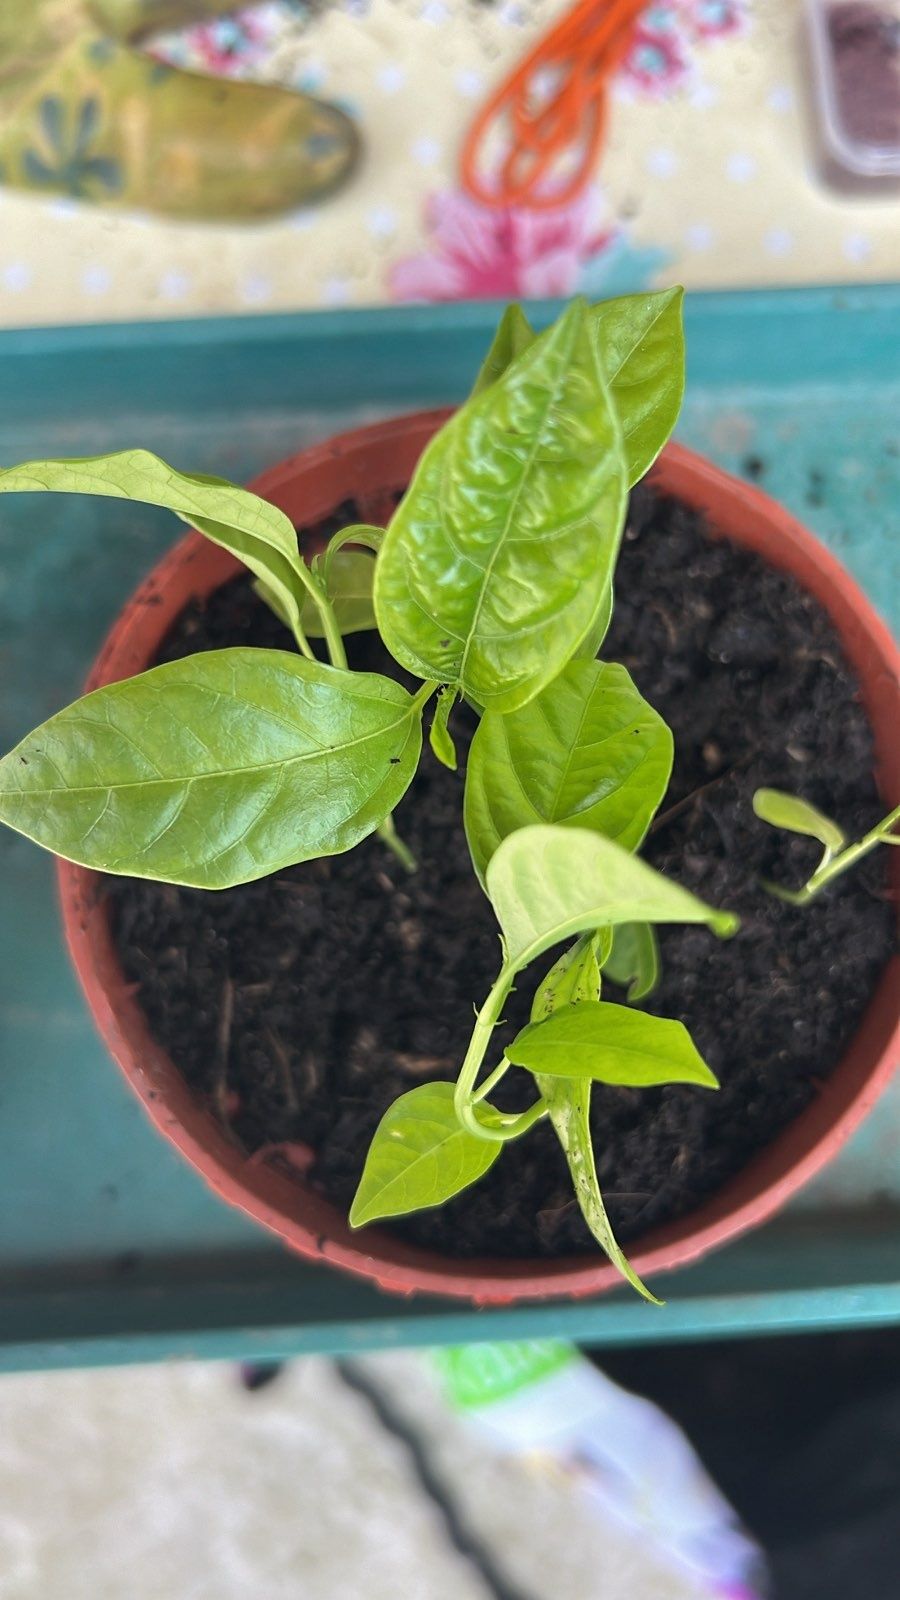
{"x":258,"y":533}
{"x":588,"y":752}
{"x":348,"y":586}
{"x":633,"y":960}
{"x":611,"y":1044}
{"x":217,"y":769}
{"x":439,"y":733}
{"x":788,"y":811}
{"x":575,"y":977}
{"x":547,"y":882}
{"x":420,"y":1156}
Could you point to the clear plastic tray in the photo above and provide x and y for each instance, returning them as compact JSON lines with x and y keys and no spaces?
{"x":855,"y":67}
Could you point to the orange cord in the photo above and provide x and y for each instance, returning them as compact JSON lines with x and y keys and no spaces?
{"x":583,"y":50}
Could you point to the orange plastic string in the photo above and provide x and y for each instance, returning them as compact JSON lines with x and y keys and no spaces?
{"x":582,"y":52}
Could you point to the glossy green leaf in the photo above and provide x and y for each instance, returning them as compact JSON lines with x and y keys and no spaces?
{"x":599,"y":628}
{"x":611,"y":1044}
{"x":439,"y":732}
{"x":641,"y":339}
{"x":573,"y":980}
{"x":420,"y":1156}
{"x":642,"y":350}
{"x":633,"y":960}
{"x":217,"y":769}
{"x":547,"y":883}
{"x":514,"y":335}
{"x":587,"y":752}
{"x":797,"y":816}
{"x":495,"y":564}
{"x":258,"y":533}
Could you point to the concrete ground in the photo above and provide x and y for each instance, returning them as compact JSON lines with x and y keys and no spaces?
{"x":176,"y":1483}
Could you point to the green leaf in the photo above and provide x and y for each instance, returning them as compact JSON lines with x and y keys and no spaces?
{"x":495,"y":564}
{"x":419,"y":1156}
{"x":634,"y":961}
{"x":587,"y":752}
{"x":641,"y":340}
{"x":258,"y":533}
{"x":798,"y":816}
{"x":514,"y":335}
{"x":575,"y":977}
{"x":611,"y":1044}
{"x":217,"y":769}
{"x":439,"y":732}
{"x":642,"y":350}
{"x":570,"y":1113}
{"x":573,"y":980}
{"x":593,"y":639}
{"x":351,"y":575}
{"x":546,"y":883}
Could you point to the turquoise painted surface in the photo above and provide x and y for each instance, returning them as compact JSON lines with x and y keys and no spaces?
{"x":110,"y":1249}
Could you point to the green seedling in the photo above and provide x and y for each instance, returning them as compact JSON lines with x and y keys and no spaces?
{"x":492,"y":584}
{"x":794,"y":815}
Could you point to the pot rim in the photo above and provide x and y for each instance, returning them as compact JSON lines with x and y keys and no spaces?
{"x":281,"y":1200}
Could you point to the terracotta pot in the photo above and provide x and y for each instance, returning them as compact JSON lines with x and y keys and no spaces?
{"x":369,"y":465}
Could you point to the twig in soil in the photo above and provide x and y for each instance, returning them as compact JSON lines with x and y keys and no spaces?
{"x":223,"y":1050}
{"x":282,"y":1061}
{"x":461,"y":1537}
{"x":695,"y":794}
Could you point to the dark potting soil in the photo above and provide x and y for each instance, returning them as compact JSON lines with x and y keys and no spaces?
{"x":300,"y":1006}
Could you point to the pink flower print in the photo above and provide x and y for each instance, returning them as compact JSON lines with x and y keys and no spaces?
{"x":656,"y":62}
{"x":484,"y":252}
{"x":715,"y":19}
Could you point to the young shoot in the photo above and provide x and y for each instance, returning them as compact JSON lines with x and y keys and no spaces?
{"x":794,"y":815}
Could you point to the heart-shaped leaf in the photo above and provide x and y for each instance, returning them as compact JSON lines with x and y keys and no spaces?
{"x":587,"y":752}
{"x":217,"y":769}
{"x":496,"y":562}
{"x":633,"y":960}
{"x":642,"y":350}
{"x":258,"y":533}
{"x":611,"y":1044}
{"x":547,"y":883}
{"x":420,"y":1156}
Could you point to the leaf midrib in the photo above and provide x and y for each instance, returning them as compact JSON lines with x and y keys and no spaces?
{"x":553,"y":397}
{"x":199,"y":777}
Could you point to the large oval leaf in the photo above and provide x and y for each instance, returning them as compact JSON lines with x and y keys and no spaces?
{"x":587,"y":752}
{"x":611,"y":1044}
{"x":217,"y":769}
{"x":642,"y":350}
{"x":547,"y":882}
{"x":258,"y":533}
{"x":420,"y":1155}
{"x":496,"y":562}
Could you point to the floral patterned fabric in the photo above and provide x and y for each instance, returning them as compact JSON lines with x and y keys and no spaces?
{"x":710,"y":175}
